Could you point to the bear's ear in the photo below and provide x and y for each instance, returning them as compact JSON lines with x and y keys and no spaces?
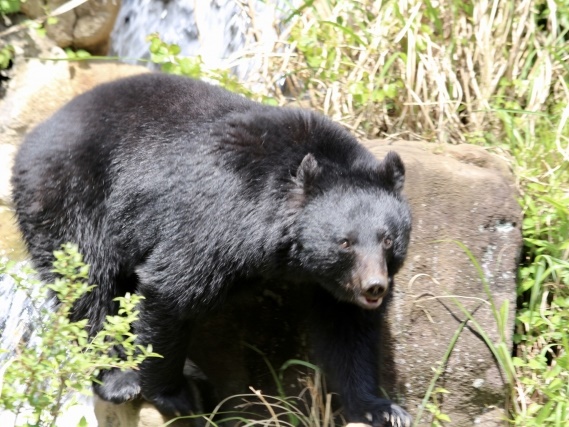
{"x":392,"y":171}
{"x":307,"y":173}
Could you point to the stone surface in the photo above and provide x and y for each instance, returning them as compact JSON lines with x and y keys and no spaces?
{"x":88,"y":26}
{"x":135,"y":414}
{"x":458,"y":194}
{"x":95,"y":22}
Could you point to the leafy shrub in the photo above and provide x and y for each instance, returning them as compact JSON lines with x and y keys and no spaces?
{"x":37,"y":379}
{"x":167,"y":55}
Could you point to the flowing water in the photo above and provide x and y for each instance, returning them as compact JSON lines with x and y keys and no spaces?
{"x":217,"y":30}
{"x":14,"y":305}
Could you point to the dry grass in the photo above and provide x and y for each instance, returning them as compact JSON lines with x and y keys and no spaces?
{"x":419,"y":69}
{"x":311,"y":408}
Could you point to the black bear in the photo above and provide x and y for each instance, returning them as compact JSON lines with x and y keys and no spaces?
{"x":178,"y":190}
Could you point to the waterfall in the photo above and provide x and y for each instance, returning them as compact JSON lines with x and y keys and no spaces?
{"x":220,"y":31}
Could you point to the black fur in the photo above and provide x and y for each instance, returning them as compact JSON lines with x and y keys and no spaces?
{"x":176,"y":189}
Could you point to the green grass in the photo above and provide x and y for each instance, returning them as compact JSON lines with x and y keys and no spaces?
{"x":542,"y":358}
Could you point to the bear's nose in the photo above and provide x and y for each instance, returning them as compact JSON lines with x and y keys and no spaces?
{"x":375,"y":288}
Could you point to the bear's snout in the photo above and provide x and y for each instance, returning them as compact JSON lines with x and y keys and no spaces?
{"x":373,"y":280}
{"x":375,"y":287}
{"x":373,"y":290}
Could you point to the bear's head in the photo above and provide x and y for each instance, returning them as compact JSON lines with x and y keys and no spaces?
{"x":353,"y":227}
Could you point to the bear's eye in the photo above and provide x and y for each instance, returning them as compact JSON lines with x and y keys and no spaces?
{"x":387,"y":242}
{"x":345,"y":243}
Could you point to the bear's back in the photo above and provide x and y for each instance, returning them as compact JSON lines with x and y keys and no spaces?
{"x":116,"y":163}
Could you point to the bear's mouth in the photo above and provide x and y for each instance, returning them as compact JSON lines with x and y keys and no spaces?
{"x":369,"y":303}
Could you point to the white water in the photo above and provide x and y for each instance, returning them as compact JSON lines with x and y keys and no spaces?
{"x":220,"y":31}
{"x":15,"y":312}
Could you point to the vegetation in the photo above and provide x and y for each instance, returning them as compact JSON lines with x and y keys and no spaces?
{"x":7,"y":51}
{"x":36,"y":380}
{"x":9,"y":6}
{"x":167,"y":55}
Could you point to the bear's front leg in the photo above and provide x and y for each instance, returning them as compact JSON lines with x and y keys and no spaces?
{"x":345,"y":339}
{"x":161,"y":379}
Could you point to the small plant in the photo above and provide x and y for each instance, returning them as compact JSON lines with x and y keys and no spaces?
{"x":37,"y":379}
{"x":167,"y":55}
{"x":311,"y":408}
{"x":6,"y":55}
{"x":9,"y":6}
{"x":439,"y":417}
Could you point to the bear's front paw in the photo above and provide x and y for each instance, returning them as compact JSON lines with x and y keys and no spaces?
{"x":173,"y":403}
{"x":117,"y":386}
{"x":383,"y":414}
{"x":388,"y":414}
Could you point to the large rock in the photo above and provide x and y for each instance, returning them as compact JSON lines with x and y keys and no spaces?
{"x":87,"y":26}
{"x":458,"y":194}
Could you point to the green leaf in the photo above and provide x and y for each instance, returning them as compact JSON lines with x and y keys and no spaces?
{"x":174,"y":49}
{"x":270,"y":101}
{"x":51,"y":20}
{"x":390,"y":91}
{"x":348,"y":31}
{"x":83,"y":422}
{"x":518,"y":362}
